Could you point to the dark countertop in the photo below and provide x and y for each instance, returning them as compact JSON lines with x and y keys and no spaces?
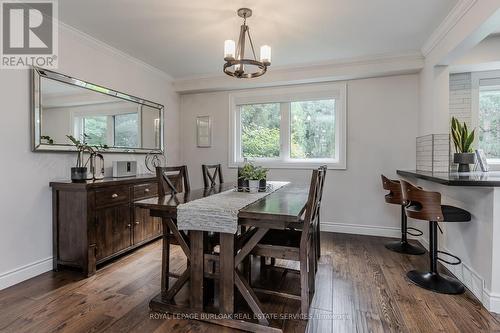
{"x":476,"y":178}
{"x":109,"y":181}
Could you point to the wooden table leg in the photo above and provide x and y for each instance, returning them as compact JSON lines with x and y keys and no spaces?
{"x":226,"y":273}
{"x":165,"y":257}
{"x":196,"y":247}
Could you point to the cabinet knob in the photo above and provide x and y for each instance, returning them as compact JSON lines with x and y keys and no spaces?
{"x":129,"y":225}
{"x":137,"y":222}
{"x":114,"y":196}
{"x":146,"y":190}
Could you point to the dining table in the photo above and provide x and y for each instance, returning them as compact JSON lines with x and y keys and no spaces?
{"x":280,"y":209}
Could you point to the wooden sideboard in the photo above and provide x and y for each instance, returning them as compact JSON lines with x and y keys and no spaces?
{"x":96,"y":221}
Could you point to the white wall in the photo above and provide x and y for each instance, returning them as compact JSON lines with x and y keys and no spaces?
{"x":25,"y":197}
{"x":382,"y":126}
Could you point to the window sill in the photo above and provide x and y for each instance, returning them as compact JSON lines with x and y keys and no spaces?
{"x":292,"y":165}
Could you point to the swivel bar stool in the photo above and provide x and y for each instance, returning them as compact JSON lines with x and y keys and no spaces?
{"x":424,"y":205}
{"x":394,"y":197}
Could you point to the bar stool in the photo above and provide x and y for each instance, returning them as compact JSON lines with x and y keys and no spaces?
{"x":424,"y":205}
{"x":395,"y":197}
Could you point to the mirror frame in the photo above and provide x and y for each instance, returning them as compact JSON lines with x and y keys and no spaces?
{"x":36,"y":120}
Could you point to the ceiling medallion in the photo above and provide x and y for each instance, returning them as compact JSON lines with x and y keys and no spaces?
{"x":234,"y":55}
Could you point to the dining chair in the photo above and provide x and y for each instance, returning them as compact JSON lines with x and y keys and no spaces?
{"x":297,"y":245}
{"x":210,"y":174}
{"x":316,"y":229}
{"x":172,"y":180}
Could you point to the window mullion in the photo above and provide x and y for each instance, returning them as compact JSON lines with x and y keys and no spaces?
{"x":285,"y":131}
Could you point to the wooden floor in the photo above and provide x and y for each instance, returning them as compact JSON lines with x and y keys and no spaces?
{"x":361,"y":288}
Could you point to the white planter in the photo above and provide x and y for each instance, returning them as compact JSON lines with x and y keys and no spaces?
{"x":253,"y":186}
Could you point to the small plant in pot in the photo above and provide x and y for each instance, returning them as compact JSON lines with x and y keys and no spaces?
{"x":79,"y":172}
{"x":462,"y":140}
{"x":252,"y":177}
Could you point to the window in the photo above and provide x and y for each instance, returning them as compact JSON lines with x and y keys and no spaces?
{"x":95,"y":129}
{"x":489,"y":123}
{"x":118,"y":130}
{"x":260,"y":130}
{"x":486,"y":114}
{"x":126,"y":130}
{"x":290,"y":127}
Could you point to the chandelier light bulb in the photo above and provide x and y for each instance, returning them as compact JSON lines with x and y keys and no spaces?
{"x":229,"y":49}
{"x":265,"y":54}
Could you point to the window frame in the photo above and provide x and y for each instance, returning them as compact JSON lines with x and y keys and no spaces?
{"x":476,"y":78}
{"x":284,"y":96}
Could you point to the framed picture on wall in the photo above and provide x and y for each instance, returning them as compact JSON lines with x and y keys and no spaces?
{"x":481,"y":160}
{"x":203,"y":131}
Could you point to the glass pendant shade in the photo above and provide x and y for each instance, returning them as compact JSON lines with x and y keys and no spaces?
{"x":229,"y":49}
{"x":265,"y":54}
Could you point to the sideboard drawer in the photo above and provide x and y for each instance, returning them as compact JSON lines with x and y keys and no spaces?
{"x":115,"y":195}
{"x":145,"y":190}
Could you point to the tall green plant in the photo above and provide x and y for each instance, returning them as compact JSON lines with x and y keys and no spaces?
{"x":82,"y":147}
{"x":462,"y":139}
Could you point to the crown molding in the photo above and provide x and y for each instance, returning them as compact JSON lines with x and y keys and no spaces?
{"x":354,"y":68}
{"x":116,"y":51}
{"x":453,"y":17}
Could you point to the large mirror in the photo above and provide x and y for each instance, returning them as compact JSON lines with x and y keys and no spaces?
{"x":63,"y":106}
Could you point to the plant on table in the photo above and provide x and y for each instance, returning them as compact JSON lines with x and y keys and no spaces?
{"x":462,"y":140}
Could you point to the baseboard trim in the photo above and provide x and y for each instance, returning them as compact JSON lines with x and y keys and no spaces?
{"x":472,"y":280}
{"x":491,"y":301}
{"x":25,"y":272}
{"x":361,"y":229}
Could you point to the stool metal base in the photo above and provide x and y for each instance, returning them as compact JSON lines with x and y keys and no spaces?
{"x":436,"y":282}
{"x":405,"y":247}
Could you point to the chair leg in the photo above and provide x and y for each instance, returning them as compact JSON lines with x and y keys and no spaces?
{"x":433,"y":280}
{"x":304,"y":283}
{"x":318,"y":240}
{"x":402,"y":246}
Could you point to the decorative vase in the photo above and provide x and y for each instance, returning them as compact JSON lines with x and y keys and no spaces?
{"x":79,"y":174}
{"x":463,"y":160}
{"x":254,"y":186}
{"x":262,"y":185}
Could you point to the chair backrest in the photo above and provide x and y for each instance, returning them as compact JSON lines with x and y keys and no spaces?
{"x":394,"y":187}
{"x":210,"y":173}
{"x":311,"y":216}
{"x":172,"y":180}
{"x":420,"y":204}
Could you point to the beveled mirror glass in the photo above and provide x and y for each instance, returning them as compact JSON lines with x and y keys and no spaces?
{"x":62,"y":105}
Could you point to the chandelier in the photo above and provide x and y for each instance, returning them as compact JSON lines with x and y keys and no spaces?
{"x":234,"y":55}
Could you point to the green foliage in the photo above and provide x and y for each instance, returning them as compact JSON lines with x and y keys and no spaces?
{"x":260,"y":130}
{"x":83,"y":147}
{"x":462,"y":139}
{"x":489,"y":123}
{"x":312,"y":129}
{"x":49,"y":140}
{"x":126,"y":130}
{"x":251,"y":172}
{"x":95,"y":130}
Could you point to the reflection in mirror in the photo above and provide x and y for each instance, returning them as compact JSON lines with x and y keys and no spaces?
{"x":94,"y":115}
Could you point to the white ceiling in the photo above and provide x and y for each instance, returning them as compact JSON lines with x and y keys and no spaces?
{"x":184,"y":38}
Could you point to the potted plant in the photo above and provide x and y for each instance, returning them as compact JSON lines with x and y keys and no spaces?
{"x":462,"y":140}
{"x":252,"y":177}
{"x":79,"y":172}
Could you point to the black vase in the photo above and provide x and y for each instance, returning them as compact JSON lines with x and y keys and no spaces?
{"x":262,"y":185}
{"x":79,"y":174}
{"x":463,"y":160}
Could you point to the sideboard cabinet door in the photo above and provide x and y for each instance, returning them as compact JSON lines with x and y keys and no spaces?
{"x":113,"y":230}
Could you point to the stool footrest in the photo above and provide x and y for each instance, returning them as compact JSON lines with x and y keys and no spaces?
{"x":418,"y":232}
{"x":457,"y":262}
